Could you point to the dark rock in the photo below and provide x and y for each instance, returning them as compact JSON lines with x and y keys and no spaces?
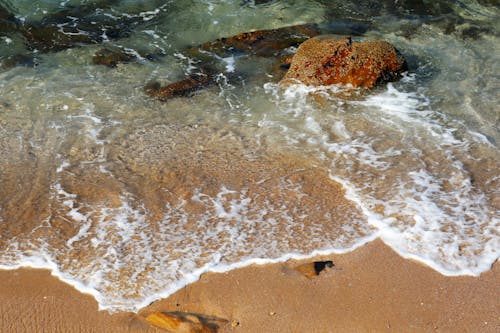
{"x":184,"y":87}
{"x":50,"y":38}
{"x":8,"y":21}
{"x":324,"y":60}
{"x":112,"y":57}
{"x":69,"y":27}
{"x":18,"y":60}
{"x":474,"y":32}
{"x":264,"y":43}
{"x":313,"y":269}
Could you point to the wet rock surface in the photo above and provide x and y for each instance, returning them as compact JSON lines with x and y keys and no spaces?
{"x":319,"y":60}
{"x":326,"y":60}
{"x":112,"y":57}
{"x":274,"y":43}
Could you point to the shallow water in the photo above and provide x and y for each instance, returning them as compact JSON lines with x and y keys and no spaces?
{"x":130,"y":199}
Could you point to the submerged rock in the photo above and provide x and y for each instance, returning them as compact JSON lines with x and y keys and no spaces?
{"x":326,"y":60}
{"x":178,"y":323}
{"x":320,"y":60}
{"x":72,"y":26}
{"x":18,"y":60}
{"x":8,"y":22}
{"x":53,"y":38}
{"x":313,"y":269}
{"x":112,"y":57}
{"x":184,"y":87}
{"x":262,"y":43}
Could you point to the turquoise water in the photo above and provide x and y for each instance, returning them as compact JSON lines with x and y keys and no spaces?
{"x":129,"y":198}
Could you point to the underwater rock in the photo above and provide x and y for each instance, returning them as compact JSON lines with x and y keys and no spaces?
{"x":8,"y":21}
{"x":111,"y":57}
{"x":18,"y":60}
{"x":326,"y":60}
{"x":74,"y":25}
{"x":177,"y":323}
{"x":50,"y":38}
{"x":180,"y":88}
{"x":263,"y":43}
{"x":312,"y":269}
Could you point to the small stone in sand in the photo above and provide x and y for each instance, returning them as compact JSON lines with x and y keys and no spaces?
{"x":312,"y":269}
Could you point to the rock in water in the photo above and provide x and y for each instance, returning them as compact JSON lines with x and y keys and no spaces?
{"x":325,"y":60}
{"x":184,"y":87}
{"x":274,"y":43}
{"x":262,"y":43}
{"x":111,"y":57}
{"x":175,"y":323}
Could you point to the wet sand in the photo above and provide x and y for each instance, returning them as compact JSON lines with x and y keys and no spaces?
{"x":369,"y":290}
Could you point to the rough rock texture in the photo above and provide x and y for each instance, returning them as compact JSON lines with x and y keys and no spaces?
{"x":326,"y":60}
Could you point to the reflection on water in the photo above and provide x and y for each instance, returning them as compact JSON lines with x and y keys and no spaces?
{"x":130,"y":198}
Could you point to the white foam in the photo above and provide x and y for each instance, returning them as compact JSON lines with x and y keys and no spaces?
{"x":408,"y":163}
{"x":159,"y":260}
{"x":230,"y":61}
{"x":7,"y":40}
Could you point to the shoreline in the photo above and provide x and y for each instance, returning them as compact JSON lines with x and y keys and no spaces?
{"x":369,"y":289}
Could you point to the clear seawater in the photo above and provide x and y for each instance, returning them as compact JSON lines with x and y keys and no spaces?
{"x":130,"y":199}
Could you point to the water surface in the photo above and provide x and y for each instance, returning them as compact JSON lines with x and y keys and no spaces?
{"x":129,"y":198}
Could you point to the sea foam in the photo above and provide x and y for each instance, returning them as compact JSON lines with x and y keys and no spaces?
{"x":404,"y":164}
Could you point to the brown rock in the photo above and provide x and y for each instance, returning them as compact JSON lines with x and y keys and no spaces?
{"x":326,"y":60}
{"x":176,"y":323}
{"x":111,"y":57}
{"x":264,"y":43}
{"x":312,"y":269}
{"x":180,"y":88}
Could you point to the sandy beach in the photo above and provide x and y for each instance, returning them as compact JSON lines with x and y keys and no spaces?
{"x":371,"y":289}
